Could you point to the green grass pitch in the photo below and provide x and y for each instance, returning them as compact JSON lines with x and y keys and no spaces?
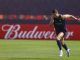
{"x":36,"y":50}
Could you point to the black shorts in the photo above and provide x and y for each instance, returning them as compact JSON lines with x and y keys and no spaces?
{"x":64,"y":31}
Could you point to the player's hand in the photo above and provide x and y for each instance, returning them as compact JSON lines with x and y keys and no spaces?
{"x":79,"y":19}
{"x":45,"y":17}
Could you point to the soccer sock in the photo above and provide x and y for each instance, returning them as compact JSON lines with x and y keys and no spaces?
{"x":65,"y":46}
{"x":59,"y":44}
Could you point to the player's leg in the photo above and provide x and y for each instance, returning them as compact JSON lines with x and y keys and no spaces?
{"x":63,"y":44}
{"x":59,"y":37}
{"x":65,"y":47}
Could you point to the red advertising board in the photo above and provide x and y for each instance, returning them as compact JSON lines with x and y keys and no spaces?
{"x":36,"y":31}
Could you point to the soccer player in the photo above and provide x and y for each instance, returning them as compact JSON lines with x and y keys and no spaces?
{"x":59,"y":23}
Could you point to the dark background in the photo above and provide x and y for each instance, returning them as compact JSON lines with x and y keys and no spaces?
{"x":39,"y":6}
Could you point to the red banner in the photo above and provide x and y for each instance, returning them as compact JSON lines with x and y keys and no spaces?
{"x":32,"y":31}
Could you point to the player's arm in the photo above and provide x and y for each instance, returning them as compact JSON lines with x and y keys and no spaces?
{"x":51,"y":21}
{"x":49,"y":18}
{"x":45,"y":17}
{"x":70,"y":16}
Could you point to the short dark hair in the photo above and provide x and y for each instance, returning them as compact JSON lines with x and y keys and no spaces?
{"x":54,"y":11}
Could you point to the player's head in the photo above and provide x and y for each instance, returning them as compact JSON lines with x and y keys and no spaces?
{"x":55,"y":12}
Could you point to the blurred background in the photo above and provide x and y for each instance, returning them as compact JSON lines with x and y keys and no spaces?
{"x":30,"y":13}
{"x":39,"y":6}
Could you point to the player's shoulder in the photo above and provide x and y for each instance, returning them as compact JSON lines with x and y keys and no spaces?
{"x":62,"y":16}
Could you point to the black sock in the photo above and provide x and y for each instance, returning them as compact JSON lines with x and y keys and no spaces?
{"x":65,"y":46}
{"x":59,"y":44}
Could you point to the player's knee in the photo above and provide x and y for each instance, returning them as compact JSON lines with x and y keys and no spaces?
{"x":58,"y":38}
{"x":60,"y":35}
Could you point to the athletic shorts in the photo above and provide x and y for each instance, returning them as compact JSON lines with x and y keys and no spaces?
{"x":64,"y":31}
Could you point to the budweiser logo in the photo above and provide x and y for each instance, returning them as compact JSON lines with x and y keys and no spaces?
{"x":15,"y":31}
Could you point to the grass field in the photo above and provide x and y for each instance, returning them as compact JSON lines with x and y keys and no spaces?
{"x":36,"y":50}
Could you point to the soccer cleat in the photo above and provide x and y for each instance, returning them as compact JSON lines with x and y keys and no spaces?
{"x":60,"y":53}
{"x":68,"y":52}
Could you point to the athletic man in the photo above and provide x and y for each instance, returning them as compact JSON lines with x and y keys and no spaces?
{"x":59,"y":23}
